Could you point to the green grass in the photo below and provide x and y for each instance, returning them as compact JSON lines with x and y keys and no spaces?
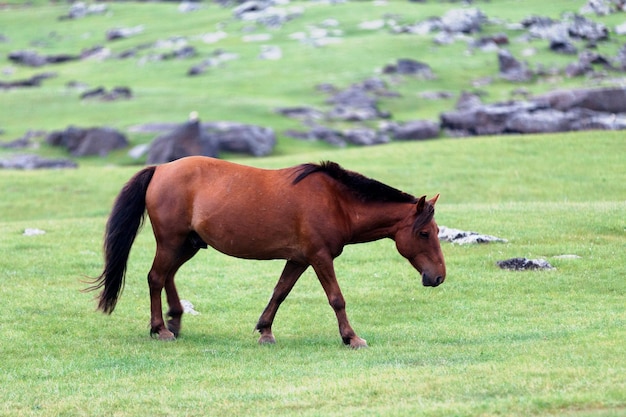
{"x":487,"y":342}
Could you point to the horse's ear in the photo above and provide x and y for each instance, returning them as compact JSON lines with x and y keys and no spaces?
{"x":420,"y":204}
{"x":434,"y":199}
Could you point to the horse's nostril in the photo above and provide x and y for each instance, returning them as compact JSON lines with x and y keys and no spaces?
{"x":439,"y":280}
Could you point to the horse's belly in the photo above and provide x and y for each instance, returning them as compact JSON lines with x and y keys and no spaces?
{"x":244,"y":240}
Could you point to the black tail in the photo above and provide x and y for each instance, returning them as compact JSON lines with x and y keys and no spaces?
{"x":122,"y":227}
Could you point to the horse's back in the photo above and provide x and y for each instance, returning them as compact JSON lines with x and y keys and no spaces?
{"x":240,"y":210}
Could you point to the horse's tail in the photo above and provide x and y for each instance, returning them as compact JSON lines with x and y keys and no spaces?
{"x":122,"y":227}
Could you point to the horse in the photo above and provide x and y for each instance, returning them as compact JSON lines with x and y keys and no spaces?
{"x":304,"y":214}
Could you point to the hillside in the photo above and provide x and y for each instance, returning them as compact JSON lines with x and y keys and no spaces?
{"x":248,"y":64}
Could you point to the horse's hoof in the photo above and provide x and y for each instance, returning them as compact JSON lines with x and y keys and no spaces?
{"x":267,"y":339}
{"x":175,"y":330}
{"x":166,"y":335}
{"x":358,"y":343}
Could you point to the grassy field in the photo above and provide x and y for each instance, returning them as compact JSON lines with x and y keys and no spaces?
{"x":487,"y":342}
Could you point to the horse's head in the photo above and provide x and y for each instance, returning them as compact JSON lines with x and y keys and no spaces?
{"x":418,"y":241}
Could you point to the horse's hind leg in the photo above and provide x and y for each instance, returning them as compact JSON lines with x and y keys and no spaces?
{"x":175,"y":311}
{"x":167,"y":261}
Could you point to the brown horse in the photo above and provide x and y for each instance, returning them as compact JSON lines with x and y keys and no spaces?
{"x":304,"y":214}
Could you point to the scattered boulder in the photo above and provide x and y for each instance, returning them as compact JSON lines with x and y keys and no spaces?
{"x":355,"y":104}
{"x":264,"y":13}
{"x":511,"y":69}
{"x":80,"y":9}
{"x":98,"y":52}
{"x":28,"y":58}
{"x":241,"y":138}
{"x":303,"y":113}
{"x":25,"y":141}
{"x":540,"y":121}
{"x":123,"y":33}
{"x":34,"y":59}
{"x":490,"y":42}
{"x":406,"y":66}
{"x":100,"y":93}
{"x":599,"y":7}
{"x":34,"y":81}
{"x":468,"y":101}
{"x":608,"y":100}
{"x":572,"y":26}
{"x":461,"y":237}
{"x":88,"y":141}
{"x":184,"y":52}
{"x":557,"y":111}
{"x":563,"y":47}
{"x":359,"y":102}
{"x":523,"y":264}
{"x":28,"y":162}
{"x":208,"y":138}
{"x":249,"y":10}
{"x":488,"y":119}
{"x":216,"y":59}
{"x":365,"y":137}
{"x":414,"y":130}
{"x":579,"y":27}
{"x":185,"y":140}
{"x":463,"y":20}
{"x":326,"y":134}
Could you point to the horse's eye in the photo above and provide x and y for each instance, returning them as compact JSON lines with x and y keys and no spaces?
{"x":423,"y":235}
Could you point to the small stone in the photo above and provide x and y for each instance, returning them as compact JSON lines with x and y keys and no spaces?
{"x":33,"y":232}
{"x":523,"y":264}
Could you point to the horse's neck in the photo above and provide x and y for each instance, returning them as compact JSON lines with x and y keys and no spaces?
{"x":376,"y":221}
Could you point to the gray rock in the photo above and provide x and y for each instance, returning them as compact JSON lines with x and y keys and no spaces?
{"x":541,"y":121}
{"x":523,"y":264}
{"x":610,"y":99}
{"x":185,"y":140}
{"x":88,"y":141}
{"x":407,"y":66}
{"x":123,"y":33}
{"x":365,"y":137}
{"x":463,"y":20}
{"x":462,"y":237}
{"x":511,"y":69}
{"x":415,"y":130}
{"x":28,"y":162}
{"x":241,"y":138}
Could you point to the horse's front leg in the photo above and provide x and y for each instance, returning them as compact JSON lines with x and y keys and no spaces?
{"x":287,"y":280}
{"x":326,"y":274}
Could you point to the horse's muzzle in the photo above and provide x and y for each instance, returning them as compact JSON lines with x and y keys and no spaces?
{"x":431,"y":281}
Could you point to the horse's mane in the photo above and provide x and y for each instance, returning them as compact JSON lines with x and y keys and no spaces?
{"x":366,"y":189}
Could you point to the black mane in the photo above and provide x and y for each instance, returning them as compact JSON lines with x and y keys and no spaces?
{"x":364,"y":188}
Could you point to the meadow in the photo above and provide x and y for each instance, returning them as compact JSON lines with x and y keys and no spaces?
{"x":488,"y":342}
